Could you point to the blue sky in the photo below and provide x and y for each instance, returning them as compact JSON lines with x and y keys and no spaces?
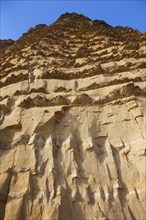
{"x":16,"y":17}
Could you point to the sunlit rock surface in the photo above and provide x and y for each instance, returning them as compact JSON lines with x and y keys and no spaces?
{"x":72,"y":123}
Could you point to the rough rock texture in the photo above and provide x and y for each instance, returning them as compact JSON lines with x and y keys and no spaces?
{"x":72,"y":119}
{"x":5,"y":43}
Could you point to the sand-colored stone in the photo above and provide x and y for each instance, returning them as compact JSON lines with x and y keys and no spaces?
{"x":72,"y":123}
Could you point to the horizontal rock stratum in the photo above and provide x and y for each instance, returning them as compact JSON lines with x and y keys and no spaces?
{"x":72,"y":115}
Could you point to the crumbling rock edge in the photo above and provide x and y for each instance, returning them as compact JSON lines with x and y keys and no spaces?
{"x":72,"y":123}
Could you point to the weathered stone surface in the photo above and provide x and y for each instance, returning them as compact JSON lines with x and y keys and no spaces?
{"x":72,"y":123}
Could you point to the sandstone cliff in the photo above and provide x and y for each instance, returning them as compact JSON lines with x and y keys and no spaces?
{"x":6,"y":43}
{"x":72,"y":115}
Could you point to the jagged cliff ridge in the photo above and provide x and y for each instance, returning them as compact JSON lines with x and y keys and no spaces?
{"x":72,"y":123}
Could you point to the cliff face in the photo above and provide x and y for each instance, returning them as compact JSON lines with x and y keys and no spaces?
{"x":72,"y":119}
{"x":5,"y":43}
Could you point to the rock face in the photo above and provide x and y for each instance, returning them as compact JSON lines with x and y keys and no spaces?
{"x":72,"y":119}
{"x":6,"y":43}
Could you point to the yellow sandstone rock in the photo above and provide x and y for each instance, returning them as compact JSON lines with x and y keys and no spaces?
{"x":72,"y":122}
